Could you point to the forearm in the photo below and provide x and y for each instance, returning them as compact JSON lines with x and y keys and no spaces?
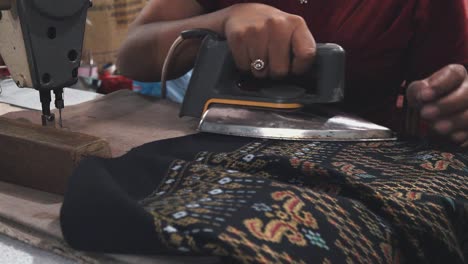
{"x":142,"y":55}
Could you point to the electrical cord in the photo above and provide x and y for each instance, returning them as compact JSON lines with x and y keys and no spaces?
{"x":199,"y":33}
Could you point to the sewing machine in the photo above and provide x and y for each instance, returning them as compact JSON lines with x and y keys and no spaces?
{"x":41,"y":43}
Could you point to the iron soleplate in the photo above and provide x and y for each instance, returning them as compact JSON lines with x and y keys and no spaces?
{"x":317,"y":125}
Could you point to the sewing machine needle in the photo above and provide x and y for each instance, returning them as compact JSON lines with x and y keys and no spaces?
{"x":60,"y":118}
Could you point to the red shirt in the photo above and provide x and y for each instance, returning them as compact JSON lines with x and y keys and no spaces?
{"x":386,"y":41}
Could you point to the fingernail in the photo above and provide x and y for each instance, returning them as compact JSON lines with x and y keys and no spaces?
{"x":430,"y":112}
{"x":459,"y":136}
{"x":443,"y":127}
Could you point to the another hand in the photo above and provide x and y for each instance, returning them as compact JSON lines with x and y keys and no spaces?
{"x":283,"y":41}
{"x":443,"y":101}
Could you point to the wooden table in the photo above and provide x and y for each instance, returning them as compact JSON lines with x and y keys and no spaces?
{"x":125,"y":120}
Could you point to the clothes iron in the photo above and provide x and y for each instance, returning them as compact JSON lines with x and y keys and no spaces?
{"x":296,"y":108}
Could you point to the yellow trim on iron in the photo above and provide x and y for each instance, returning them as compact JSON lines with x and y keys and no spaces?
{"x":251,"y":103}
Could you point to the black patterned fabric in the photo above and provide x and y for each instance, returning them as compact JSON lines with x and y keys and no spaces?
{"x":264,"y":201}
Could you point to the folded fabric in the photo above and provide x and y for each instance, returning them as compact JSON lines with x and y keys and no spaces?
{"x":265,"y":201}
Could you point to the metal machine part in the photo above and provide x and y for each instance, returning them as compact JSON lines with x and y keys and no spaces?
{"x":318,"y":124}
{"x":41,"y":43}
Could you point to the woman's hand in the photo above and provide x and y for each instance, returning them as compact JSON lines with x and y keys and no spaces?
{"x":443,"y":101}
{"x":260,"y":32}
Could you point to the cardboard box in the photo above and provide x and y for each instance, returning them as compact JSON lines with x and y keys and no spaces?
{"x":107,"y":27}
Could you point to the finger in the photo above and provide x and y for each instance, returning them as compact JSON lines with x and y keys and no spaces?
{"x":279,"y":47}
{"x":452,"y":103}
{"x":460,"y":137}
{"x":304,"y":49}
{"x":257,"y":42}
{"x":443,"y":82}
{"x":455,"y":123}
{"x":464,"y":145}
{"x":238,"y":49}
{"x":414,"y":93}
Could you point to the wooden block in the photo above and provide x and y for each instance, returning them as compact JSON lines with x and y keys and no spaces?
{"x":43,"y":158}
{"x":124,"y":119}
